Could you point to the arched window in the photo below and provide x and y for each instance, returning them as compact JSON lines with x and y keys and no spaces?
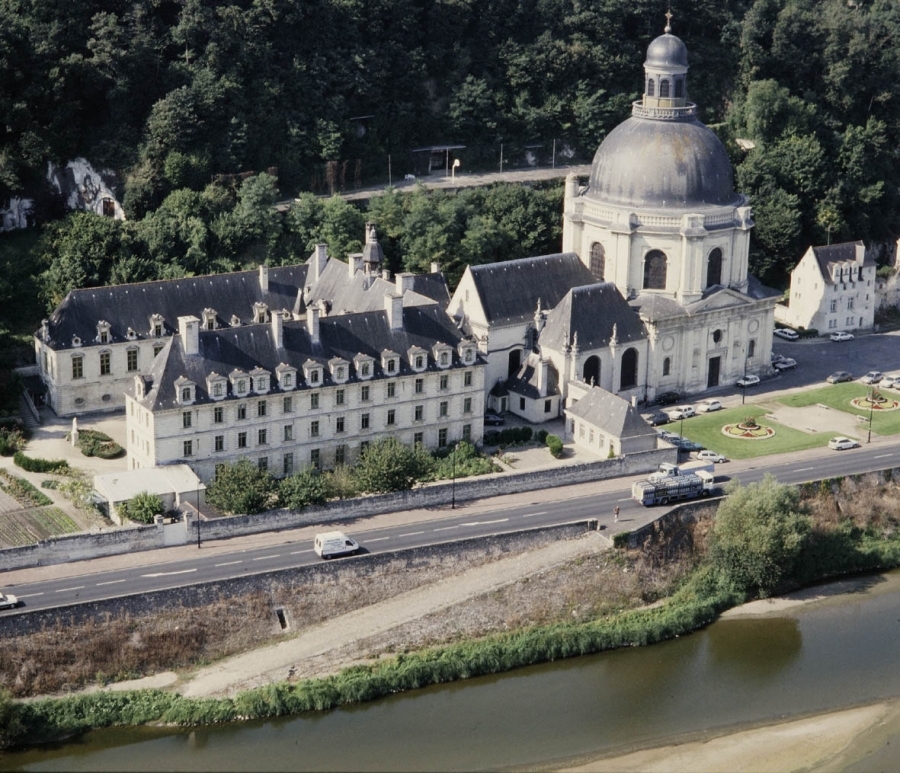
{"x":751,"y":350}
{"x":628,"y":378}
{"x":679,"y":88}
{"x":650,"y":88}
{"x":655,"y":270}
{"x":667,"y":366}
{"x":591,"y":372}
{"x":515,"y":361}
{"x":714,"y":268}
{"x":598,"y":260}
{"x":663,"y":89}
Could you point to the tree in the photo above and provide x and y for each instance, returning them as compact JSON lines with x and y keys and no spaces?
{"x":143,"y":507}
{"x":240,"y":487}
{"x":307,"y":487}
{"x":388,"y":465}
{"x":758,"y":534}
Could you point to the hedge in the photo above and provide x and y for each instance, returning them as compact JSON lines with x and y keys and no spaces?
{"x":31,"y":464}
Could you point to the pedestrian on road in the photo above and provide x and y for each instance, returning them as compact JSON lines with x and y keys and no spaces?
{"x":616,"y":512}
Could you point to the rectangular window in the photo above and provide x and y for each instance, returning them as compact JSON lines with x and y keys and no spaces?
{"x":132,"y":355}
{"x":314,"y":429}
{"x":261,"y":408}
{"x":188,"y":447}
{"x":288,"y":431}
{"x":419,"y":439}
{"x":186,"y":395}
{"x":287,"y":465}
{"x":157,"y":348}
{"x":218,"y":389}
{"x":220,"y":443}
{"x":315,"y":458}
{"x":443,"y":409}
{"x":242,"y":439}
{"x":261,"y":437}
{"x":467,"y":405}
{"x":548,"y":403}
{"x":392,"y":389}
{"x":467,"y":433}
{"x":445,"y":382}
{"x":392,"y":366}
{"x":467,"y":378}
{"x":363,"y":446}
{"x":420,"y":385}
{"x":314,"y":400}
{"x":364,"y":393}
{"x":419,"y":412}
{"x":78,"y":367}
{"x":242,"y":411}
{"x":364,"y":421}
{"x":339,"y":424}
{"x":263,"y":463}
{"x":218,"y":414}
{"x":185,"y":419}
{"x":340,"y":455}
{"x":391,"y":417}
{"x":833,"y":306}
{"x":849,"y":304}
{"x":339,"y":397}
{"x":521,"y":403}
{"x":288,"y":405}
{"x":104,"y":364}
{"x":580,"y":429}
{"x":288,"y":379}
{"x":442,"y":438}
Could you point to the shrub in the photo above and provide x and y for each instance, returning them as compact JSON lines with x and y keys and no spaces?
{"x":388,"y":465}
{"x":620,"y":540}
{"x":143,"y":507}
{"x":307,"y":487}
{"x":541,"y":436}
{"x":461,"y":461}
{"x":11,"y":440}
{"x":341,"y":482}
{"x":555,"y":445}
{"x":94,"y":443}
{"x":30,"y":464}
{"x":241,"y":487}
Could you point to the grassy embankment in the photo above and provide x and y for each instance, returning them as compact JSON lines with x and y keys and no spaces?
{"x":853,"y":529}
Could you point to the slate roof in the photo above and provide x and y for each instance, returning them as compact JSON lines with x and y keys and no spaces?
{"x":525,"y":381}
{"x":345,"y":336}
{"x":591,"y":312}
{"x":132,"y":305}
{"x":610,"y":413}
{"x":653,"y":307}
{"x":509,"y":291}
{"x":846,"y":253}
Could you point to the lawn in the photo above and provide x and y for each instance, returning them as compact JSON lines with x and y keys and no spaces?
{"x":707,"y":429}
{"x":838,"y":396}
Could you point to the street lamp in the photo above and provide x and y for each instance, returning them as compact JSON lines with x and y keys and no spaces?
{"x":871,"y":406}
{"x":198,"y":519}
{"x":453,"y":477}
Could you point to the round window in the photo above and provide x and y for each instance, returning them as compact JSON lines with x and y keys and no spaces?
{"x":717,"y":336}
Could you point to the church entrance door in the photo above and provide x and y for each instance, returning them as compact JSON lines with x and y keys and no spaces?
{"x":712,"y":379}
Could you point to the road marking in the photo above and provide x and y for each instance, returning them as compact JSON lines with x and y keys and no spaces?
{"x":31,"y":595}
{"x":882,"y":456}
{"x":626,"y":499}
{"x":230,"y":563}
{"x":110,"y":582}
{"x":411,"y":534}
{"x":485,"y":523}
{"x":377,"y":539}
{"x":298,"y":552}
{"x":166,"y":574}
{"x":263,"y":558}
{"x":805,"y":469}
{"x":446,"y":528}
{"x":531,"y":515}
{"x":63,"y":590}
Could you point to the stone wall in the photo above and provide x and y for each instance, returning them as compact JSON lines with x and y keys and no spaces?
{"x":279,"y":585}
{"x":80,"y":547}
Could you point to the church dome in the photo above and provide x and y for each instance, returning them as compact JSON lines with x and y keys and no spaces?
{"x":654,"y":164}
{"x":665,"y":52}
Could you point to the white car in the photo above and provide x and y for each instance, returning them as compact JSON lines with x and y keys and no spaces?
{"x":708,"y":406}
{"x":711,"y":456}
{"x":329,"y":544}
{"x":872,"y":377}
{"x":748,"y":381}
{"x":8,"y":602}
{"x":786,"y":333}
{"x":841,"y":336}
{"x":680,"y":412}
{"x":891,"y":380}
{"x":842,"y":443}
{"x":785,"y":363}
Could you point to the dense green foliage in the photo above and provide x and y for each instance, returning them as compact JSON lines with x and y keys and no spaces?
{"x":461,"y":461}
{"x":22,"y":491}
{"x":241,"y":487}
{"x":12,"y":440}
{"x":92,"y":442}
{"x":307,"y":487}
{"x":143,"y":507}
{"x":389,"y":465}
{"x":555,"y":444}
{"x":33,"y":464}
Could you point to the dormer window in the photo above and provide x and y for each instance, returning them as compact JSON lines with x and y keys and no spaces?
{"x":418,"y":358}
{"x":185,"y":390}
{"x":156,"y":325}
{"x":443,"y":355}
{"x":216,"y":386}
{"x":76,"y":341}
{"x":130,"y":334}
{"x":365,"y":366}
{"x":239,"y":382}
{"x":260,"y":312}
{"x":339,"y":369}
{"x":287,"y":376}
{"x":235,"y":321}
{"x":103,"y":332}
{"x":467,"y":352}
{"x":259,"y":380}
{"x":209,"y":319}
{"x":313,"y":372}
{"x":390,"y":362}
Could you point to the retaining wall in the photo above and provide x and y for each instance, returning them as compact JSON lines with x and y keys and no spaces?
{"x":79,"y":547}
{"x":281,"y":585}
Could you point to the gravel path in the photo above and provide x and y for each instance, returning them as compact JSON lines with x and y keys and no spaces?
{"x":273,"y":663}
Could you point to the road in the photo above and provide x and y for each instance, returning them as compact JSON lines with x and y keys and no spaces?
{"x":555,"y":506}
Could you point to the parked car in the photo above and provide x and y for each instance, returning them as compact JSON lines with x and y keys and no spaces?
{"x":777,"y":357}
{"x":492,"y":419}
{"x":841,"y":335}
{"x":838,"y":376}
{"x":711,"y":456}
{"x":681,"y":412}
{"x":787,"y":363}
{"x":747,"y":381}
{"x":842,"y":443}
{"x":655,"y":419}
{"x":688,"y":445}
{"x":708,"y":406}
{"x":668,"y":398}
{"x":8,"y":602}
{"x":872,"y":377}
{"x":786,"y":333}
{"x":891,"y":380}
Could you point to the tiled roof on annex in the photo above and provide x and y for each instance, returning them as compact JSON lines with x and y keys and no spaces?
{"x":509,"y":291}
{"x":591,"y":312}
{"x":611,"y":413}
{"x":846,"y":252}
{"x":132,"y":305}
{"x":345,"y":294}
{"x":345,"y":336}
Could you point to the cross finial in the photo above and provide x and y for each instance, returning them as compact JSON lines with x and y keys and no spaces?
{"x":668,"y":21}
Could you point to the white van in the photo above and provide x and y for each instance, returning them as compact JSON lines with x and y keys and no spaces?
{"x":329,"y":544}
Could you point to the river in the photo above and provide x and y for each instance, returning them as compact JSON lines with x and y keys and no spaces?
{"x":818,"y":657}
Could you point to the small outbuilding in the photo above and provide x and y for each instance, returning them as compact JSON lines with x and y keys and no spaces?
{"x":606,"y":424}
{"x":173,"y":484}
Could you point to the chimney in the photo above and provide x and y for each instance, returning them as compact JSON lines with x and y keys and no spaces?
{"x":312,"y":323}
{"x":542,"y":376}
{"x":189,"y":330}
{"x":354,"y":261}
{"x":571,"y":186}
{"x":319,"y":259}
{"x":278,"y":330}
{"x":404,"y":281}
{"x":45,"y":330}
{"x":385,"y":275}
{"x":264,"y":278}
{"x":435,"y":267}
{"x":634,"y":401}
{"x":393,"y":305}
